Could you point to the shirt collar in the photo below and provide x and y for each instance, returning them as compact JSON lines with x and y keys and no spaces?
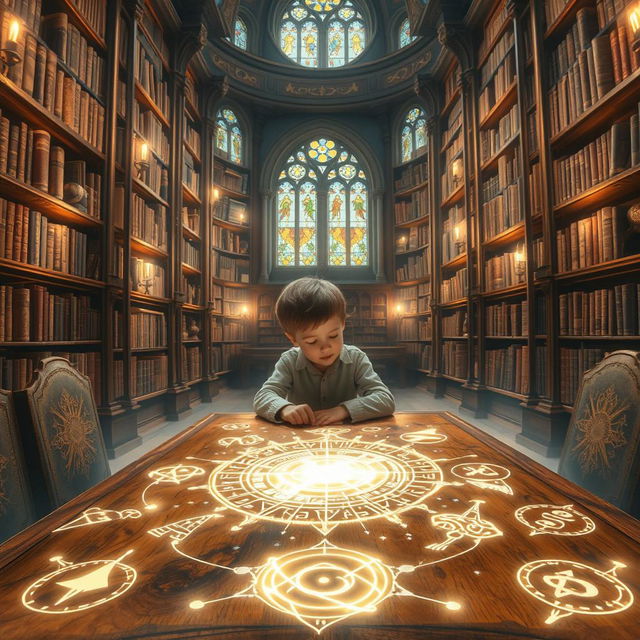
{"x":302,"y":362}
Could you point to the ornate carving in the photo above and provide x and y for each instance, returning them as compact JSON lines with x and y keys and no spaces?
{"x":321,"y":91}
{"x":236,"y":72}
{"x":405,"y":72}
{"x":189,"y":41}
{"x":135,"y":8}
{"x":423,"y":86}
{"x":457,"y":39}
{"x":217,"y":88}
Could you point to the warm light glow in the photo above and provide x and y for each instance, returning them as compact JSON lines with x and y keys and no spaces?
{"x":245,"y":310}
{"x":216,"y":194}
{"x":634,"y":19}
{"x":456,"y":168}
{"x":402,"y":239}
{"x":14,"y":31}
{"x":456,"y":232}
{"x":519,"y":257}
{"x":398,"y":308}
{"x":144,"y":152}
{"x":242,"y":217}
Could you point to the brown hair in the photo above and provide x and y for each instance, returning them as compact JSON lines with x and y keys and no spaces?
{"x":308,"y":302}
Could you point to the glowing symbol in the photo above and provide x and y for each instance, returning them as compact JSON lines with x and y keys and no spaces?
{"x":232,"y":426}
{"x":572,"y":587}
{"x":330,"y":431}
{"x":554,"y":519}
{"x":458,"y":526}
{"x":371,"y":429}
{"x":484,"y":475}
{"x":170,"y":475}
{"x":244,"y":440}
{"x":426,"y":436}
{"x":96,"y":515}
{"x":110,"y":576}
{"x":178,"y":531}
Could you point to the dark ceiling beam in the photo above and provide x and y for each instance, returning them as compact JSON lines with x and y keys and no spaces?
{"x":217,"y":16}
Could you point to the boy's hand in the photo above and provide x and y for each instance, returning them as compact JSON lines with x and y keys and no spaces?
{"x":298,"y":414}
{"x":331,"y":416}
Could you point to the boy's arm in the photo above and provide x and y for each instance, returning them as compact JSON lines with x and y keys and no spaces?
{"x":273,"y":395}
{"x":375,"y":399}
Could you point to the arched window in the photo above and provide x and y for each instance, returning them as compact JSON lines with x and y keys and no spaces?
{"x":229,"y":136}
{"x":404,"y":34}
{"x":322,"y":33}
{"x":413,"y":137}
{"x":240,"y":33}
{"x":322,"y":208}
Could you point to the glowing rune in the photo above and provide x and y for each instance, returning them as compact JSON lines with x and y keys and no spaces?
{"x":484,"y":475}
{"x":572,"y":587}
{"x":558,"y":520}
{"x":96,"y":515}
{"x":175,"y":474}
{"x":425,"y":436}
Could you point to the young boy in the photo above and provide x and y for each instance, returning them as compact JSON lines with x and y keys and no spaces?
{"x":320,"y":380}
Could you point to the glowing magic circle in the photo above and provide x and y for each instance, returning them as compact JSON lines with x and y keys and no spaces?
{"x":325,"y":481}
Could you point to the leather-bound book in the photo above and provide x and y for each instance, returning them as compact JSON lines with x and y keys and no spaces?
{"x":22,"y":150}
{"x":55,"y":29}
{"x":620,"y":154}
{"x":41,"y":155}
{"x":56,"y":171}
{"x":21,"y":298}
{"x":58,"y":99}
{"x":623,"y":43}
{"x":50,"y":81}
{"x":29,"y":66}
{"x":68,"y":100}
{"x":40,"y":72}
{"x":603,"y":64}
{"x":12,"y":159}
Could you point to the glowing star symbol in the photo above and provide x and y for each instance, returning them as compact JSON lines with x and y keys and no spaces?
{"x":554,"y":519}
{"x":96,"y":515}
{"x":325,"y":481}
{"x":484,"y":475}
{"x":175,"y":474}
{"x":80,"y":582}
{"x":458,"y":526}
{"x":74,"y":433}
{"x":426,"y":436}
{"x":572,"y":587}
{"x":323,"y":585}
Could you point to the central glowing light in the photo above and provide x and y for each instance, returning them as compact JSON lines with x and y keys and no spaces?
{"x":335,"y":473}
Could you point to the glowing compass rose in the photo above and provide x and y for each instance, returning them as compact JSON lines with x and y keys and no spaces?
{"x":325,"y":481}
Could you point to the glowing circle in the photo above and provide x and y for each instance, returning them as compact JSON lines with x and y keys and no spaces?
{"x":323,"y":586}
{"x":557,"y":520}
{"x":325,"y":481}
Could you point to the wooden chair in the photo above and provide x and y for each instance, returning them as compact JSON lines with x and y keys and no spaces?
{"x":63,"y":439}
{"x":16,"y":507}
{"x":602,"y":449}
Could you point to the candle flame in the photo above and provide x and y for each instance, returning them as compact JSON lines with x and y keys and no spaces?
{"x":14,"y":31}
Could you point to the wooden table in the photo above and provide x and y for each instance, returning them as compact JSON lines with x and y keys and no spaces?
{"x":394,"y":355}
{"x":416,"y":527}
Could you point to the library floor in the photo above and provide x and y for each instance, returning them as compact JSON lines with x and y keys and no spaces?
{"x":407,"y":399}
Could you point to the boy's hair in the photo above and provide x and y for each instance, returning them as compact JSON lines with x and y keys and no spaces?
{"x":307,"y":303}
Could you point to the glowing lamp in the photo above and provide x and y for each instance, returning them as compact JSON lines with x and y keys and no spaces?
{"x":142,"y":164}
{"x":457,"y":170}
{"x":9,"y":53}
{"x":457,"y":237}
{"x":520,"y":260}
{"x":244,"y":310}
{"x":216,"y":194}
{"x":398,"y":308}
{"x":634,"y":23}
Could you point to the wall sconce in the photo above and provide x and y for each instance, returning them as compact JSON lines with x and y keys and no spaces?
{"x":634,"y":22}
{"x":9,"y":53}
{"x":520,"y":263}
{"x":401,"y":243}
{"x":399,"y":308}
{"x":244,"y":311}
{"x":142,"y":164}
{"x":457,"y":237}
{"x":457,"y":171}
{"x":242,"y":218}
{"x":215,"y":194}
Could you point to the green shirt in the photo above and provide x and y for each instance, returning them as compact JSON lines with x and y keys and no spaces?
{"x":349,"y":381}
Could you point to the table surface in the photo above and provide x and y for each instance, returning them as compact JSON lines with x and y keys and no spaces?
{"x":419,"y":526}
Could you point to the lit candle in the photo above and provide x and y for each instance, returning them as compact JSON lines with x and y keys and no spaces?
{"x":634,"y":20}
{"x":14,"y":31}
{"x":11,"y":46}
{"x":216,"y":194}
{"x":245,"y":310}
{"x":398,"y":308}
{"x":144,"y":152}
{"x":242,"y":217}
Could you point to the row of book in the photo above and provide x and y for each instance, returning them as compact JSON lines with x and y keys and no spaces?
{"x":222,"y":238}
{"x":591,"y":240}
{"x":34,"y":314}
{"x":454,"y":358}
{"x":493,"y":27}
{"x":17,"y":372}
{"x":155,"y":33}
{"x":454,"y":125}
{"x":27,"y":155}
{"x":412,"y":238}
{"x":229,"y":179}
{"x":507,"y":319}
{"x":454,"y":324}
{"x":536,"y":193}
{"x":149,"y":222}
{"x":148,"y":329}
{"x":573,"y":364}
{"x":148,"y":71}
{"x":156,"y":177}
{"x":412,"y":176}
{"x":147,"y":277}
{"x":191,"y":134}
{"x":228,"y":268}
{"x":602,"y":312}
{"x":508,"y":173}
{"x":501,"y":81}
{"x":150,"y":129}
{"x":192,"y":290}
{"x":149,"y":374}
{"x":502,"y":212}
{"x":414,"y":267}
{"x":231,"y":294}
{"x":454,"y":288}
{"x":508,"y":368}
{"x":415,"y":329}
{"x":29,"y":12}
{"x":231,"y":210}
{"x":407,"y":299}
{"x":537,"y":252}
{"x":505,"y":270}
{"x":584,"y":76}
{"x":72,"y":48}
{"x":190,"y":174}
{"x":190,"y":254}
{"x":449,"y":182}
{"x":492,"y":140}
{"x":418,"y":206}
{"x":223,"y":330}
{"x":424,"y":297}
{"x":224,"y":357}
{"x":454,"y":233}
{"x":191,"y":363}
{"x":497,"y":55}
{"x":94,"y":12}
{"x":191,"y":218}
{"x":29,"y":237}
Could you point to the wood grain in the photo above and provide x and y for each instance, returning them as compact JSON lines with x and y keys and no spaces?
{"x":482,"y":578}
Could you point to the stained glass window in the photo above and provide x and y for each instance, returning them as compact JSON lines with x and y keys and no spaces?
{"x":322,"y":33}
{"x":413,"y":136}
{"x":240,"y":34}
{"x":228,"y":136}
{"x":404,"y":36}
{"x":322,"y":208}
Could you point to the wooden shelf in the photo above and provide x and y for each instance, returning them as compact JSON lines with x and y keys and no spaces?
{"x":600,"y":338}
{"x":515,"y":290}
{"x":50,"y":344}
{"x":614,"y":190}
{"x":514,"y":338}
{"x":449,"y":104}
{"x":409,"y":283}
{"x":32,"y":112}
{"x":229,"y":225}
{"x":230,"y":164}
{"x":500,"y":108}
{"x":565,"y":17}
{"x":143,"y":97}
{"x":187,"y":232}
{"x":505,"y":392}
{"x":231,"y":193}
{"x":506,"y":237}
{"x":189,"y":270}
{"x":191,"y":341}
{"x":145,"y":191}
{"x":453,"y":136}
{"x":229,"y":283}
{"x":55,"y":209}
{"x":410,"y":251}
{"x":193,"y":382}
{"x":148,"y":396}
{"x":148,"y":349}
{"x":498,"y":64}
{"x":410,"y":190}
{"x":187,"y":306}
{"x":418,"y":314}
{"x":79,"y":21}
{"x":453,"y":378}
{"x":628,"y":264}
{"x":194,"y":154}
{"x":189,"y":196}
{"x":493,"y":42}
{"x":231,"y":253}
{"x":152,"y":44}
{"x":415,"y":340}
{"x":461,"y":338}
{"x":140,"y":246}
{"x":460,"y":302}
{"x":40,"y":274}
{"x":492,"y":162}
{"x":455,"y":197}
{"x":458,"y":261}
{"x":413,"y":222}
{"x":136,"y":296}
{"x":423,"y":157}
{"x":599,"y":116}
{"x":191,"y":108}
{"x":223,"y":373}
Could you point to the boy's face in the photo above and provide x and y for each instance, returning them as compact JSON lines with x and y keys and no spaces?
{"x":322,"y":344}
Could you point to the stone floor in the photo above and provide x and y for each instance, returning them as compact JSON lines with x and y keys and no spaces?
{"x":407,"y":399}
